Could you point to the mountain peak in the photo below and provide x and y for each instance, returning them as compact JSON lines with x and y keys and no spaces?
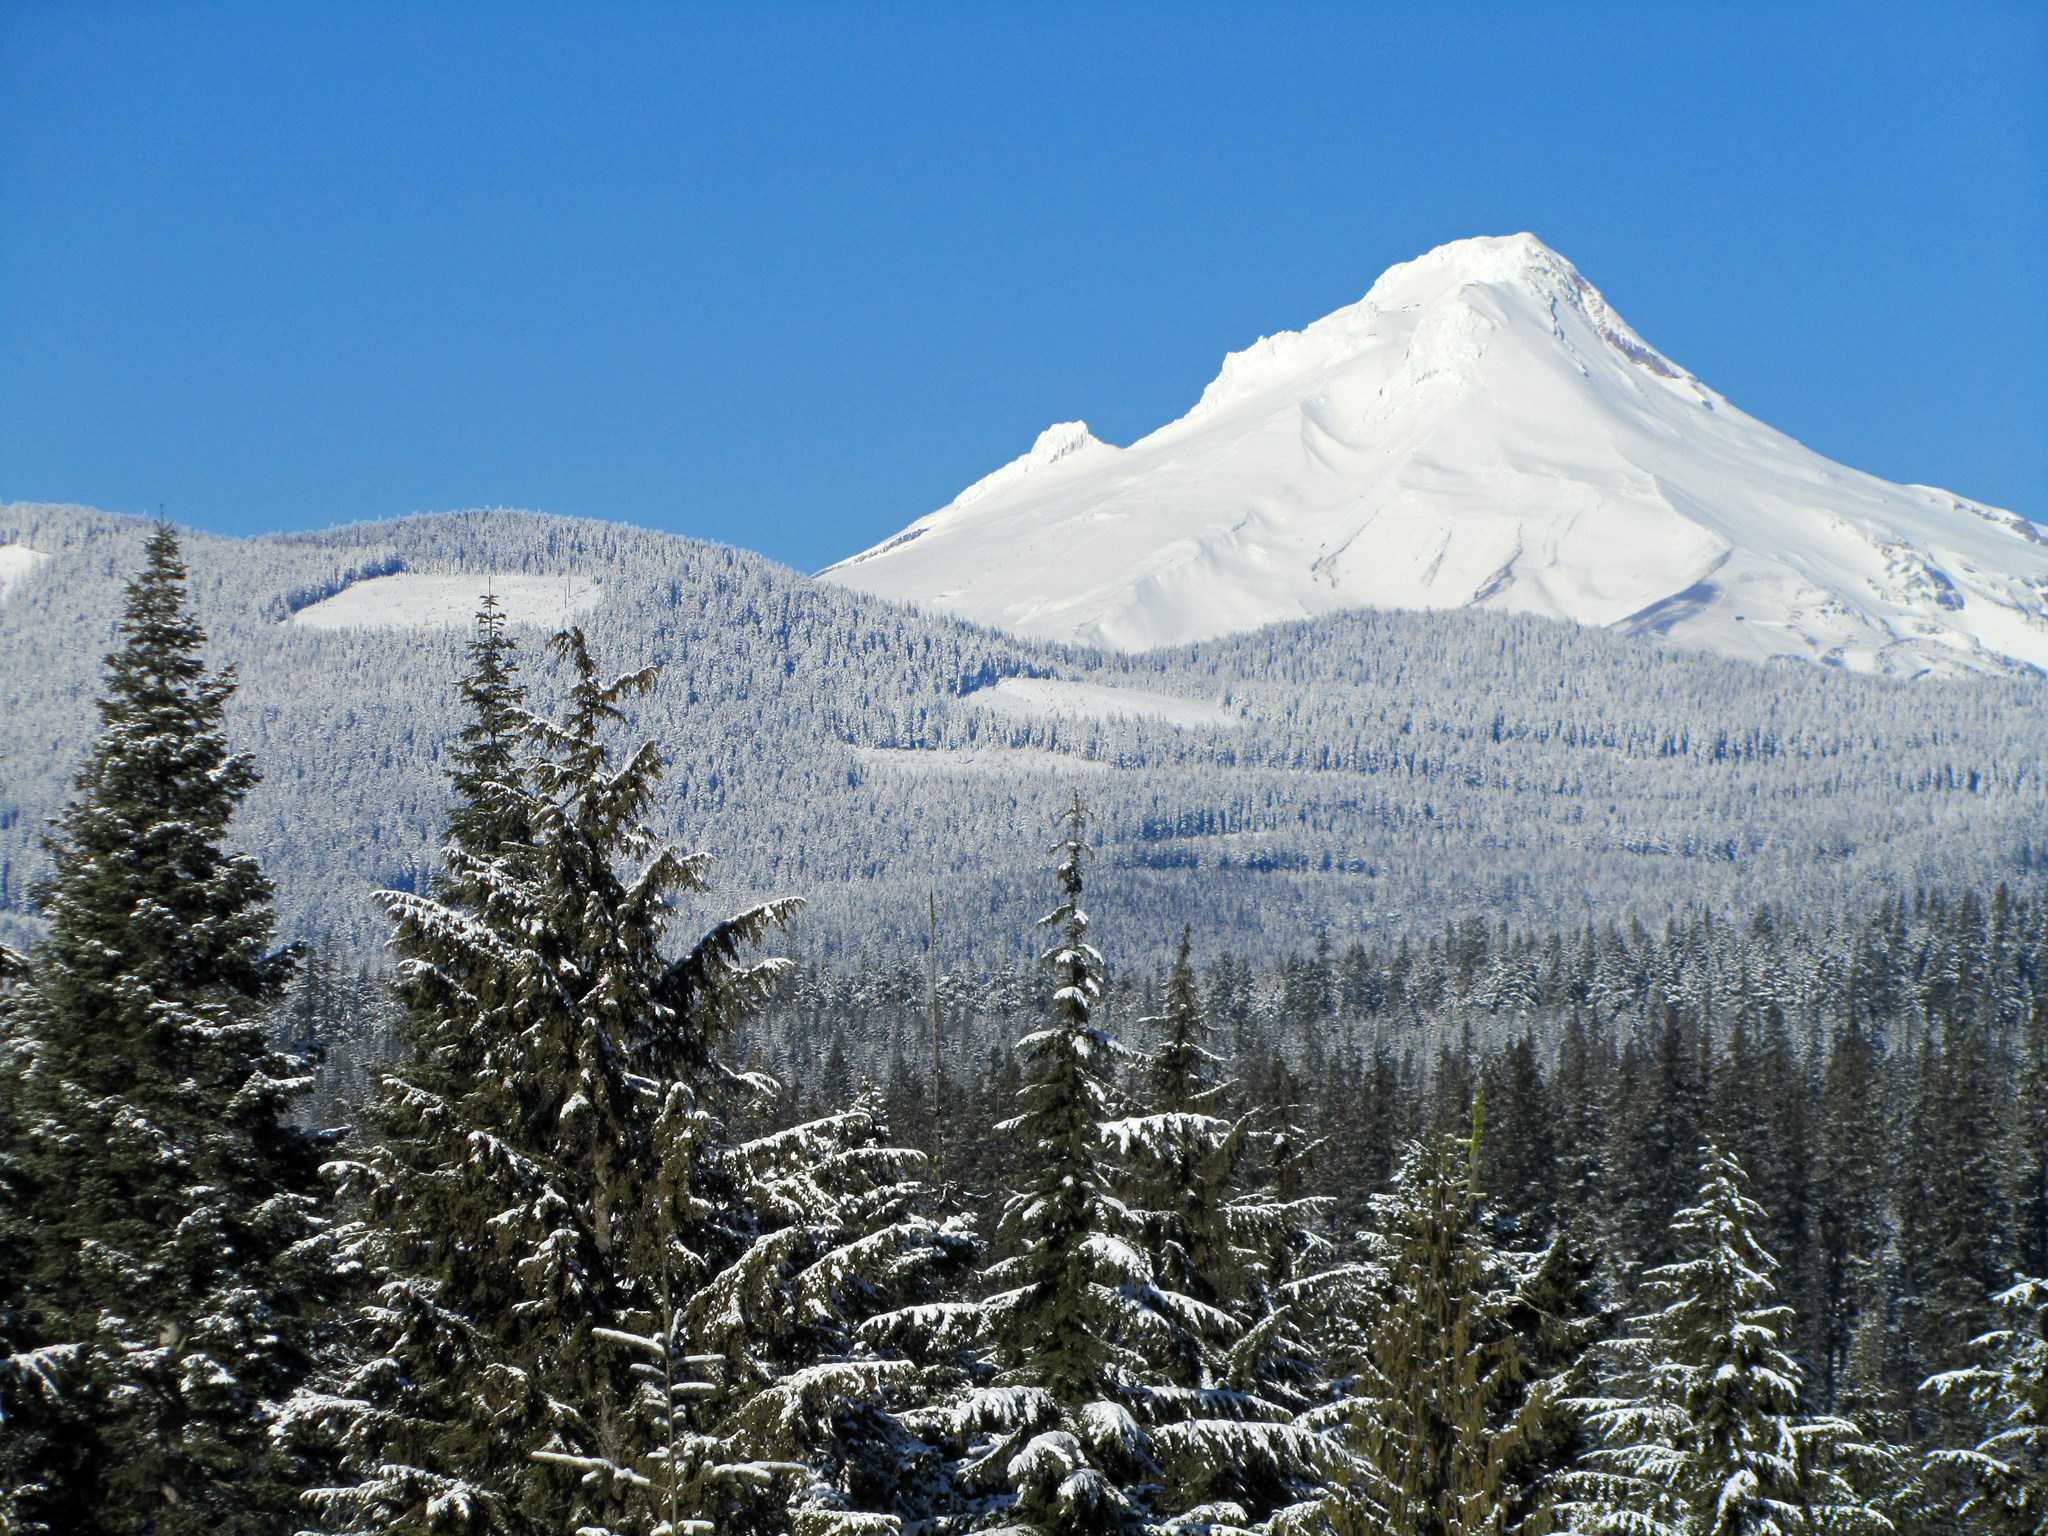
{"x":1480,"y":430}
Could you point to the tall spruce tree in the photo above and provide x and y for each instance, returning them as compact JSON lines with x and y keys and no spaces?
{"x":535,"y":1189}
{"x":1439,"y":1408}
{"x":174,"y":1278}
{"x":1070,"y":1448}
{"x":2005,"y":1472}
{"x":1699,"y":1430}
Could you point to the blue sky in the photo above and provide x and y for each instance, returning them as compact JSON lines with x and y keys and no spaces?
{"x":790,"y":276}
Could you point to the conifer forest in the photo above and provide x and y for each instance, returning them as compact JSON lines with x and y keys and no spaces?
{"x":570,"y":1210}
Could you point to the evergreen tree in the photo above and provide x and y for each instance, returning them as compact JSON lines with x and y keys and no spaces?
{"x":1063,"y":1319}
{"x":489,"y":814}
{"x":1951,"y":1215}
{"x":1850,"y":1226}
{"x":169,"y":1219}
{"x":2026,"y":1161}
{"x":1581,"y":1097}
{"x":1228,"y":1360}
{"x":2007,"y":1469}
{"x":821,"y":1323}
{"x":40,"y":1420}
{"x":1653,"y":1126}
{"x":534,"y":1196}
{"x":1440,"y":1408}
{"x":1519,"y":1151}
{"x":1699,"y":1433}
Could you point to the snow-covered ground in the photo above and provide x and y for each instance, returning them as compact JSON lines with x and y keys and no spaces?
{"x":16,"y":561}
{"x":411,"y":601}
{"x":1480,"y":430}
{"x":1091,"y":701}
{"x":980,"y":762}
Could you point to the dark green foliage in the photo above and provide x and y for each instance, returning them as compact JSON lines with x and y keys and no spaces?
{"x":1062,"y":1319}
{"x":1849,"y":1215}
{"x":168,"y":1216}
{"x":489,"y":815}
{"x":1056,"y":1332}
{"x":1518,"y":1154}
{"x":1950,"y":1205}
{"x":1442,"y":1414}
{"x":2026,"y":1158}
{"x":2004,"y":1475}
{"x":1653,"y":1127}
{"x":534,"y":1188}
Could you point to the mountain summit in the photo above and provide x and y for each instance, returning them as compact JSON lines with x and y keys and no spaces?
{"x":1480,"y":430}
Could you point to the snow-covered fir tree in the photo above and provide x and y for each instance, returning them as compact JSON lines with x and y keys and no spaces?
{"x":597,"y":1305}
{"x":534,"y":1183}
{"x":1112,"y":1405}
{"x":169,"y":1271}
{"x":827,"y":1320}
{"x":1221,"y":1397}
{"x":37,"y":1418}
{"x":1060,"y":1433}
{"x":2006,"y":1471}
{"x":1698,"y":1428}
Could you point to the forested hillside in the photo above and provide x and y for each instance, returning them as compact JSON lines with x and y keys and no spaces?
{"x":1386,"y":772}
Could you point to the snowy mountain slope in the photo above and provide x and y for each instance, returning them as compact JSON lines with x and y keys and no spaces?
{"x":1481,"y":430}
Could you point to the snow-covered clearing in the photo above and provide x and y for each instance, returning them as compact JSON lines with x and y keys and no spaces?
{"x":986,"y":762}
{"x":1066,"y":700}
{"x":16,"y":561}
{"x":410,"y":600}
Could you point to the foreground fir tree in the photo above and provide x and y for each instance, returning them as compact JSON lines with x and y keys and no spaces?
{"x":167,"y":1220}
{"x":1058,"y":1428}
{"x":1699,"y":1432}
{"x":37,"y":1419}
{"x":825,"y":1321}
{"x":2006,"y":1470}
{"x":532,"y":1186}
{"x":1112,"y":1406}
{"x":600,"y":1311}
{"x":1225,"y":1378}
{"x":1441,"y":1415}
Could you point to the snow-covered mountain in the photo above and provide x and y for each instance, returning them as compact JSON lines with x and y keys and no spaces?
{"x":1480,"y":430}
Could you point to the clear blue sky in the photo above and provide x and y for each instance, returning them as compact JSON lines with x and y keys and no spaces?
{"x":789,"y":276}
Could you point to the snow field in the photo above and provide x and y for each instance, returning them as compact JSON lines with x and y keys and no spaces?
{"x":995,"y":762}
{"x":16,"y":561}
{"x":410,"y":600}
{"x":1062,"y":699}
